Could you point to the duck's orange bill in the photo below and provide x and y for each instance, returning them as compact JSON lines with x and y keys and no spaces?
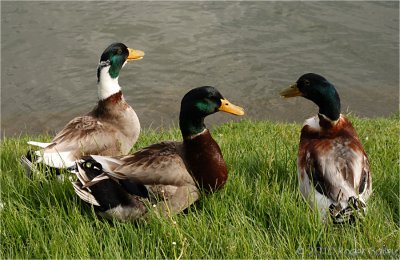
{"x":228,"y":107}
{"x":135,"y":54}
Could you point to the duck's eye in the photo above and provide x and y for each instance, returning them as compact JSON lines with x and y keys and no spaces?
{"x":307,"y":82}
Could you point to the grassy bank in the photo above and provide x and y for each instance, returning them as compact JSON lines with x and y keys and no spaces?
{"x":259,"y":213}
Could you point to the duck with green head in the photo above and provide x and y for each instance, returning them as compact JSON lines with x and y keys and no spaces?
{"x":111,"y":128}
{"x":167,"y":174}
{"x":333,"y":168}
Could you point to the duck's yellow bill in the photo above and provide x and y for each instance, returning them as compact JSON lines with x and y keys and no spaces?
{"x":228,"y":107}
{"x":291,"y":91}
{"x":135,"y":54}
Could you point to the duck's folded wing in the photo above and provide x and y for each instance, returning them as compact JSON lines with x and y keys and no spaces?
{"x":81,"y":136}
{"x":160,"y":163}
{"x":157,"y":166}
{"x":86,"y":133}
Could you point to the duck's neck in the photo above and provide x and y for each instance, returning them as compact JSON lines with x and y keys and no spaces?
{"x":328,"y":103}
{"x":205,"y":161}
{"x":190,"y":124}
{"x":107,"y":86}
{"x":330,"y":109}
{"x":325,"y":122}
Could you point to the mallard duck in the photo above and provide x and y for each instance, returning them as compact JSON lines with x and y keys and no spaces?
{"x":333,"y":168}
{"x":111,"y":128}
{"x":167,"y":174}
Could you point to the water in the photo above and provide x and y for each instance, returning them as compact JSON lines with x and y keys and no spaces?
{"x":248,"y":50}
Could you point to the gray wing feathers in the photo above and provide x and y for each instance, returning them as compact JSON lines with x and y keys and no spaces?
{"x":157,"y":164}
{"x":338,"y":172}
{"x":85,"y":135}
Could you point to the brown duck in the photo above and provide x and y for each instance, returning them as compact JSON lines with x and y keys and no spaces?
{"x":111,"y":128}
{"x":333,"y":168}
{"x":167,"y":175}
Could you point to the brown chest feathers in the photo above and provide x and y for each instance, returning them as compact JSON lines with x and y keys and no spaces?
{"x":328,"y":130}
{"x":110,"y":106}
{"x":205,"y":161}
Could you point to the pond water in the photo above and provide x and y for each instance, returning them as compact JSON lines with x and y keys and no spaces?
{"x":248,"y":50}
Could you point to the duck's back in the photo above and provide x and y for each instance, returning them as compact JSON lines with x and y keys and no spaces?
{"x":334,"y":161}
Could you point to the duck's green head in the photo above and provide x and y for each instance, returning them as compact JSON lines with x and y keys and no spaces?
{"x":199,"y":103}
{"x":319,"y":90}
{"x":115,"y":57}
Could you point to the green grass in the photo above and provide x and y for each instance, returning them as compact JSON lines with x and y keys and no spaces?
{"x":258,"y":214}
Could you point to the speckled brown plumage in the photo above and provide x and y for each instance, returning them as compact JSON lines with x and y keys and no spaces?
{"x":341,"y":138}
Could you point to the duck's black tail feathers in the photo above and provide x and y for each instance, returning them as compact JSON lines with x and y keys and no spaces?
{"x":108,"y":195}
{"x":355,"y":209}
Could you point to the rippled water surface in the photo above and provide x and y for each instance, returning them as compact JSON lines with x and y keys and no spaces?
{"x":249,"y":50}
